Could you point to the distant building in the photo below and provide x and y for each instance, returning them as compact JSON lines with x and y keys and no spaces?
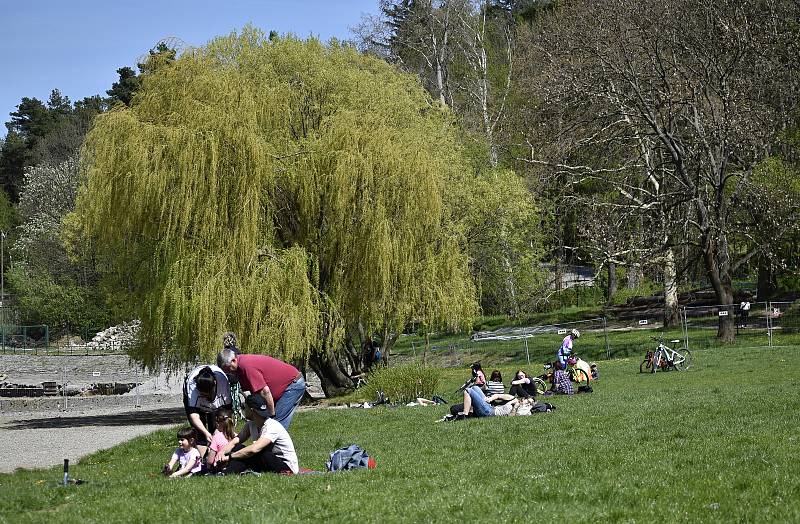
{"x":570,"y":276}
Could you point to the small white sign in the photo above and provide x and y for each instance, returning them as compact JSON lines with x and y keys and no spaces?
{"x":562,"y":331}
{"x":723,"y":313}
{"x":643,"y":322}
{"x":95,"y":373}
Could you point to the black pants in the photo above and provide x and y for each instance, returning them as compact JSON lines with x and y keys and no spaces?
{"x":264,"y":461}
{"x":518,"y":390}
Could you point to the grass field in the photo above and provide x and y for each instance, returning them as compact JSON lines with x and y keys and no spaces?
{"x":717,"y":443}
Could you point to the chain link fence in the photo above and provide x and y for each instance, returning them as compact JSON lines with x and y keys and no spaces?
{"x":79,"y":383}
{"x":763,"y":324}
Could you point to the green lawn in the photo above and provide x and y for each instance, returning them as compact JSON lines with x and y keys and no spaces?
{"x":716,"y":443}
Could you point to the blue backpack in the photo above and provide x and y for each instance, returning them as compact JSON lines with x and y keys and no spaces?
{"x":351,"y":457}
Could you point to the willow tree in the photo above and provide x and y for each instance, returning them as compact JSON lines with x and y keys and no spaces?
{"x":287,"y":190}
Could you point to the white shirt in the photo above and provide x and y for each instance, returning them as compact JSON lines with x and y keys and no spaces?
{"x":504,"y":410}
{"x":196,"y":400}
{"x":276,"y":433}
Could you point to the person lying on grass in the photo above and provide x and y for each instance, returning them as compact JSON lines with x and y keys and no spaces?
{"x":477,"y":403}
{"x":186,"y":454}
{"x":271,"y":449}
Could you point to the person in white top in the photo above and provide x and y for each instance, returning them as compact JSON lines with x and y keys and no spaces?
{"x":271,"y":449}
{"x":744,"y":312}
{"x":186,"y":455}
{"x":205,"y":390}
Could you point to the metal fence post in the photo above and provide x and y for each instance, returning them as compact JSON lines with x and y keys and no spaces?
{"x":605,"y":334}
{"x":527,"y":354}
{"x":685,"y":322}
{"x":768,"y":305}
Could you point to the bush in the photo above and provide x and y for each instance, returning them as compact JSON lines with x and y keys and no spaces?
{"x":403,"y":383}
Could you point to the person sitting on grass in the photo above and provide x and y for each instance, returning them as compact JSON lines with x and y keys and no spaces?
{"x":561,"y":384}
{"x":522,"y":385}
{"x":186,"y":455}
{"x":495,"y":384}
{"x":477,"y":375}
{"x":224,"y":433}
{"x":271,"y":449}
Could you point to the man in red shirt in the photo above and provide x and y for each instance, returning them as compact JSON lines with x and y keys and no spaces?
{"x":281,"y":384}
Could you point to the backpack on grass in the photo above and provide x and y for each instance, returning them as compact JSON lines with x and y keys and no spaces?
{"x":351,"y":457}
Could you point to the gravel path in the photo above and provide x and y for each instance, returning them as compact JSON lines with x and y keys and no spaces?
{"x":44,"y":439}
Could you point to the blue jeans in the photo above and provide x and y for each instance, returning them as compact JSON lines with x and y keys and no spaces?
{"x":285,"y":406}
{"x":480,"y":407}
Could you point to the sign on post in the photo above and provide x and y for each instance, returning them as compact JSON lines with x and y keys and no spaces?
{"x":643,"y":322}
{"x":562,"y":331}
{"x":723,"y":313}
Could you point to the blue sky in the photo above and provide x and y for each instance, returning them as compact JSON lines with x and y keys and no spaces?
{"x":77,"y":46}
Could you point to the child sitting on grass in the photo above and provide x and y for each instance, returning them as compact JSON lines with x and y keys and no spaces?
{"x":224,"y":434}
{"x":186,"y":454}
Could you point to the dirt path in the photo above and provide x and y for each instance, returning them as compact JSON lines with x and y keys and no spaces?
{"x":44,"y":439}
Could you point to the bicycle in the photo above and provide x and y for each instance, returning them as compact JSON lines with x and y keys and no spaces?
{"x":666,"y":358}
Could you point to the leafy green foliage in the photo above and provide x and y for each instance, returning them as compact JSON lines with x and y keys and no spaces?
{"x":64,"y":306}
{"x":499,"y":218}
{"x":283,"y":189}
{"x":50,"y":286}
{"x":403,"y":383}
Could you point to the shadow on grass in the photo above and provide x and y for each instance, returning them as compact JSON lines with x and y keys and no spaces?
{"x":164,"y":416}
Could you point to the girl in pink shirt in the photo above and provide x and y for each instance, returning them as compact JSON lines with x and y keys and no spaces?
{"x":224,"y":433}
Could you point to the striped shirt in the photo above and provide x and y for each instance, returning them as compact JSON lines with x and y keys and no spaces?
{"x":495,"y":387}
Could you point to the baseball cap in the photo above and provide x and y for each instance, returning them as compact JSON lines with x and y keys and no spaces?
{"x":257,"y":403}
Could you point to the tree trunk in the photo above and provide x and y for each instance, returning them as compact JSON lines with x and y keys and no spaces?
{"x":611,"y":290}
{"x":721,"y":282}
{"x":766,"y":281}
{"x":671,"y":316}
{"x":635,"y":276}
{"x":334,"y":381}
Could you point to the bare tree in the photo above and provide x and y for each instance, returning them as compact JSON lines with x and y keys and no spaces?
{"x":685,"y":96}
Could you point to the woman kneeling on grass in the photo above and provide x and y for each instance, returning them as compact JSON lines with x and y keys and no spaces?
{"x":272,"y":448}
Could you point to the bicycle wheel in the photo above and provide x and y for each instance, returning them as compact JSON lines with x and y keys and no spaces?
{"x":539,"y":384}
{"x":683,"y":359}
{"x":580,"y":376}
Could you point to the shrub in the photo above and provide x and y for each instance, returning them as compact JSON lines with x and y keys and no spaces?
{"x":404,"y":383}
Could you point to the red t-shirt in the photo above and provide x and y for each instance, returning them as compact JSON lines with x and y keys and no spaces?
{"x":257,"y":371}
